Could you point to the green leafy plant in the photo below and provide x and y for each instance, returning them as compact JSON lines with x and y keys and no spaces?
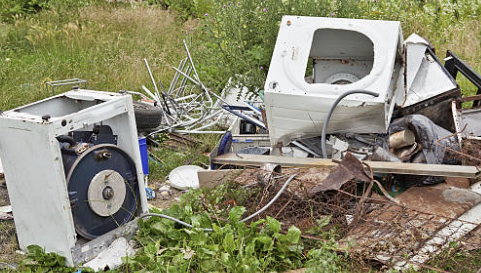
{"x":188,"y":9}
{"x":38,"y":260}
{"x":230,"y":247}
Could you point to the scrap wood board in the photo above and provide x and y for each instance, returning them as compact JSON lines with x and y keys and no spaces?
{"x":377,"y":166}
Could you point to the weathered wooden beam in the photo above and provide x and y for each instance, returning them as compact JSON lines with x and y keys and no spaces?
{"x":377,"y":166}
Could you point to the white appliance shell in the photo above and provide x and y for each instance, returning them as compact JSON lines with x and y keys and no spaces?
{"x":33,"y":166}
{"x":296,"y":108}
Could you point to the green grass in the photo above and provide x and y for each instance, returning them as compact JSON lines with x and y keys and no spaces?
{"x":103,"y":44}
{"x":169,"y":160}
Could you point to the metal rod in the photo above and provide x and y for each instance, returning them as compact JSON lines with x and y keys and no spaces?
{"x":176,"y":76}
{"x":184,"y":81}
{"x":188,"y":77}
{"x":191,"y":61}
{"x":136,"y":93}
{"x":155,"y":86}
{"x":150,"y":93}
{"x":252,"y":108}
{"x":305,"y":148}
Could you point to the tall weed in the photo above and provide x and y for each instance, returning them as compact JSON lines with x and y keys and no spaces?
{"x":237,"y":39}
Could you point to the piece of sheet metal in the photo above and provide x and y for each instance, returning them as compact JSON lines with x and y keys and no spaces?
{"x":467,"y":120}
{"x":425,"y":76}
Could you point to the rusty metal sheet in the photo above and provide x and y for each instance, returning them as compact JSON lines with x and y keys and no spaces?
{"x":440,"y":200}
{"x":391,"y":231}
{"x":350,"y":168}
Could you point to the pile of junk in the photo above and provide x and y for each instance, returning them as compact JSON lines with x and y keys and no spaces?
{"x":338,"y":86}
{"x":372,"y":117}
{"x":372,"y":129}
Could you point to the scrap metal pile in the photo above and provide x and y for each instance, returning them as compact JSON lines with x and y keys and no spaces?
{"x":353,"y":96}
{"x":391,"y":120}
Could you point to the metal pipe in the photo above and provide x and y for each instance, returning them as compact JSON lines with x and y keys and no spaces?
{"x":150,"y":93}
{"x":191,"y":62}
{"x":152,"y":78}
{"x":401,"y":139}
{"x":298,"y":144}
{"x":175,"y":78}
{"x":155,"y":86}
{"x":135,"y":93}
{"x":328,"y":117}
{"x":185,"y":75}
{"x":183,"y":83}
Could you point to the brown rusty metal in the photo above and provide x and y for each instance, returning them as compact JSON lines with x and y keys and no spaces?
{"x":350,"y":168}
{"x":371,"y":226}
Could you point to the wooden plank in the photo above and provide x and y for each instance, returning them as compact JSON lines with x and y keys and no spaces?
{"x":211,"y":178}
{"x":377,"y":166}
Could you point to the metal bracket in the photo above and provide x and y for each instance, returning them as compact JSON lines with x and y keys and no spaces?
{"x":454,"y":64}
{"x":75,"y":81}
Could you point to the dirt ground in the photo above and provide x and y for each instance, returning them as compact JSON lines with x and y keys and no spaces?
{"x":8,"y":240}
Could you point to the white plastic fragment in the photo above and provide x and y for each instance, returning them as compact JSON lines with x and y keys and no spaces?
{"x":185,"y":177}
{"x":111,"y":257}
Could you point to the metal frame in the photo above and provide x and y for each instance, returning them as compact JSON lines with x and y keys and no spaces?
{"x":454,"y":64}
{"x":74,"y":81}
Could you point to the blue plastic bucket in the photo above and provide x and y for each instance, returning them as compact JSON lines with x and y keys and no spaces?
{"x":144,"y":155}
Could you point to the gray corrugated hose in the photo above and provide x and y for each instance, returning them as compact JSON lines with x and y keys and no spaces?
{"x":328,"y":117}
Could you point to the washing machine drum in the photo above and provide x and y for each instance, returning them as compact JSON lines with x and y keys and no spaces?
{"x":103,"y":189}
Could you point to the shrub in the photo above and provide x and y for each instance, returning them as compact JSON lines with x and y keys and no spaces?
{"x":238,"y":38}
{"x":188,"y":9}
{"x":12,"y":9}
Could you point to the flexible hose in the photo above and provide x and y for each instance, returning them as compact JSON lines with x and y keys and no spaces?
{"x":328,"y":117}
{"x":241,"y":221}
{"x":173,"y":219}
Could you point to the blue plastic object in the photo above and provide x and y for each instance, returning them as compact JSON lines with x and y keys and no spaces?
{"x":224,"y":147}
{"x":150,"y":193}
{"x":144,"y":155}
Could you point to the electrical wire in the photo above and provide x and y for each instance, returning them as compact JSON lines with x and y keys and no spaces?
{"x":173,"y":219}
{"x":241,"y":221}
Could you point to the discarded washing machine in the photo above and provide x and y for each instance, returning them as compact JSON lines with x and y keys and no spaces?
{"x":343,"y":55}
{"x":73,"y":170}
